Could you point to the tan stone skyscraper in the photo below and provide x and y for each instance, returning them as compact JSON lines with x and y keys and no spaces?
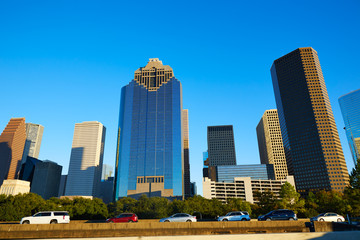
{"x":86,"y":159}
{"x":12,"y":141}
{"x":185,"y":118}
{"x":270,"y":142}
{"x":312,"y":146}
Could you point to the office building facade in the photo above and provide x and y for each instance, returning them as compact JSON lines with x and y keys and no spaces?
{"x":206,"y":164}
{"x":221,"y":145}
{"x":312,"y":146}
{"x":34,"y":134}
{"x":86,"y":160}
{"x":242,"y":187}
{"x":150,"y":148}
{"x":271,"y":148}
{"x":14,"y":187}
{"x":12,"y":141}
{"x":46,"y":179}
{"x":255,"y":171}
{"x":350,"y":109}
{"x":28,"y":169}
{"x":187,"y":187}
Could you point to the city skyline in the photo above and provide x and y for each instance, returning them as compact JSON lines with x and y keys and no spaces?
{"x":80,"y":63}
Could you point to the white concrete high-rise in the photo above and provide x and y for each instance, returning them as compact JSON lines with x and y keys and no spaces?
{"x":34,"y":134}
{"x":86,"y":160}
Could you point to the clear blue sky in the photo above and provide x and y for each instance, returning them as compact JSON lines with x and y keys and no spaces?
{"x":64,"y":62}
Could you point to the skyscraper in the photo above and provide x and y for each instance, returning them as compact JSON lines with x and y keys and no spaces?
{"x":107,"y":171}
{"x":86,"y":160}
{"x":34,"y":134}
{"x":46,"y":179}
{"x":221,"y":145}
{"x":12,"y":141}
{"x":150,"y":147}
{"x":187,"y":187}
{"x":350,"y":108}
{"x":311,"y":141}
{"x":270,"y":143}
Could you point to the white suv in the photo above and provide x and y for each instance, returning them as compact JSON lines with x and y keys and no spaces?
{"x":51,"y":217}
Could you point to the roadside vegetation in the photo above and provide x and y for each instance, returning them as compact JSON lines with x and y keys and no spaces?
{"x":13,"y":208}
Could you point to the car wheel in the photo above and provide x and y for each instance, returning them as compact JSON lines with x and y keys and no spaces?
{"x":291,"y":219}
{"x":188,"y":220}
{"x":130,"y":221}
{"x":53,"y":222}
{"x":321,"y":220}
{"x":26,"y":222}
{"x":111,"y":222}
{"x":339,"y":220}
{"x":268,"y":219}
{"x":225,"y":220}
{"x":244,"y":219}
{"x":166,"y":221}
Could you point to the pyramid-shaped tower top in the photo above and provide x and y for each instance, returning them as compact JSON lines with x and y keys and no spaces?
{"x":154,"y":74}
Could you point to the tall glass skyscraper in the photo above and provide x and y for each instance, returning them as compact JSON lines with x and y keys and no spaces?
{"x":350,"y":108}
{"x":311,"y":141}
{"x":150,"y":147}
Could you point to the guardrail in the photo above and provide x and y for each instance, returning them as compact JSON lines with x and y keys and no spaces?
{"x":101,"y":230}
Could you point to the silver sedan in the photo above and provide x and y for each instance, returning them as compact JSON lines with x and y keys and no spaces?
{"x":179,"y":217}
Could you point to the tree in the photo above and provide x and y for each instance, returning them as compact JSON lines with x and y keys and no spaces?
{"x":290,"y":199}
{"x":266,"y":200}
{"x":355,"y":176}
{"x":237,"y":204}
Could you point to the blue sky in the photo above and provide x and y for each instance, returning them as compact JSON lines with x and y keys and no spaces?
{"x":65,"y":62}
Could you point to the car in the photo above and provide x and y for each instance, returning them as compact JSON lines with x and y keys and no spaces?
{"x":280,"y":214}
{"x":235,"y":216}
{"x":47,"y":217}
{"x":124,"y":217}
{"x":328,"y":217}
{"x":179,"y":217}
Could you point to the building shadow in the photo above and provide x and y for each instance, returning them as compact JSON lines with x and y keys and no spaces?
{"x":5,"y":160}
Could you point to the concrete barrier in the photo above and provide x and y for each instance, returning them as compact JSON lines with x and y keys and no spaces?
{"x":13,"y":231}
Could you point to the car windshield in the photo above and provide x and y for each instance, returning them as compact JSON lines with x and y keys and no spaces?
{"x":322,"y":214}
{"x":228,"y":214}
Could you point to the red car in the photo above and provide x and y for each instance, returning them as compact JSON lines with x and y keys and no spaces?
{"x":124,"y":217}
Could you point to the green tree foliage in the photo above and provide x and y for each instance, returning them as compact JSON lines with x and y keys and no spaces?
{"x":352,"y":196}
{"x":149,"y":208}
{"x":352,"y":192}
{"x":290,"y":199}
{"x":355,"y":176}
{"x":13,"y":208}
{"x":267,"y":201}
{"x":125,"y":204}
{"x":328,"y":201}
{"x":237,"y":204}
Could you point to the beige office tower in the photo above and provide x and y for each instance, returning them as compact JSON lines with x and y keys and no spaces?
{"x":34,"y":134}
{"x":270,"y":143}
{"x":12,"y":141}
{"x":185,"y":118}
{"x":357,"y":144}
{"x":86,"y":160}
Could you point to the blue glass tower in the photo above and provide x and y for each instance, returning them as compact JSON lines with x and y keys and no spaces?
{"x":350,"y":108}
{"x":149,"y":157}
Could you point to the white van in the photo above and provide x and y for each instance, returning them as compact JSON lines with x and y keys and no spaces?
{"x":47,"y":217}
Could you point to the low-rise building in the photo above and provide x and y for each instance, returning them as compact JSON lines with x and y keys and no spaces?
{"x":14,"y":187}
{"x":242,"y":187}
